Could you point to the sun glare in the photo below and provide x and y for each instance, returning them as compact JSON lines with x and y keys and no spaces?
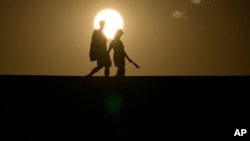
{"x":113,"y":20}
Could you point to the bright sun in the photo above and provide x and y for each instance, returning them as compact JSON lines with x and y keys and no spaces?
{"x":113,"y":20}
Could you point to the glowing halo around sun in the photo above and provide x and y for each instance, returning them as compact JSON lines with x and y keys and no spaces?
{"x":113,"y":21}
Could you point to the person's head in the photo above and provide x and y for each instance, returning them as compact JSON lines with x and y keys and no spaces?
{"x":119,"y":33}
{"x":102,"y":24}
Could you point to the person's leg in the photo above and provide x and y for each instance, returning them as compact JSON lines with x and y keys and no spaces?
{"x":95,"y":70}
{"x":106,"y":71}
{"x":122,"y":71}
{"x":117,"y":72}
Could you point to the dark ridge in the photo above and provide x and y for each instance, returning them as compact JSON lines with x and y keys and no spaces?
{"x":138,"y":107}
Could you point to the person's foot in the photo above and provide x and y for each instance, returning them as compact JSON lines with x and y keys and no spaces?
{"x":89,"y":75}
{"x":119,"y":76}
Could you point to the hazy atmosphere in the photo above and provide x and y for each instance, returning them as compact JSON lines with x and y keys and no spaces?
{"x":165,"y":37}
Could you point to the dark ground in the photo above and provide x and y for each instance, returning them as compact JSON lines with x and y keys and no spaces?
{"x":77,"y":108}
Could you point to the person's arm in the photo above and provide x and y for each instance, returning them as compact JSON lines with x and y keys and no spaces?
{"x":110,"y":47}
{"x":126,"y":55}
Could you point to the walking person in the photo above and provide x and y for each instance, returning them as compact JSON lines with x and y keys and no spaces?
{"x":98,"y":51}
{"x":119,"y":53}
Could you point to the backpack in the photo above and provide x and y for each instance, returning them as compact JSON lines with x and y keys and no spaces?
{"x":92,"y":52}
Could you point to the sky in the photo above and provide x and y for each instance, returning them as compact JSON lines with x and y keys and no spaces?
{"x":164,"y":37}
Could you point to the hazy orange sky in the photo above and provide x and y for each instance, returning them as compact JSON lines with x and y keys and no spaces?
{"x":165,"y":37}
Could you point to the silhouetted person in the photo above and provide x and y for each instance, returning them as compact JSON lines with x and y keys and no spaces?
{"x":98,"y":44}
{"x":119,"y":53}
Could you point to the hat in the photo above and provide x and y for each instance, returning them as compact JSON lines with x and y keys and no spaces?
{"x":119,"y":31}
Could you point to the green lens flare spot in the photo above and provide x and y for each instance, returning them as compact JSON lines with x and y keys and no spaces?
{"x":113,"y":104}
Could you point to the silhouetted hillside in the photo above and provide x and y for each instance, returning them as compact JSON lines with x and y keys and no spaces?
{"x":74,"y":107}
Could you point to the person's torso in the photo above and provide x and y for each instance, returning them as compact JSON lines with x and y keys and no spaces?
{"x":118,"y":48}
{"x":99,"y":40}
